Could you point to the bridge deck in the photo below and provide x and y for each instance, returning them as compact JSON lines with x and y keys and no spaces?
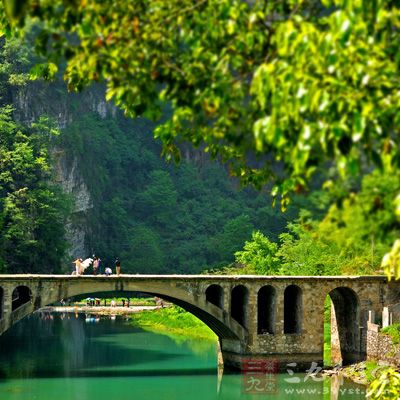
{"x":201,"y":277}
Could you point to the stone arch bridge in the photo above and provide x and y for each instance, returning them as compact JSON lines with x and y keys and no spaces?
{"x":267,"y":317}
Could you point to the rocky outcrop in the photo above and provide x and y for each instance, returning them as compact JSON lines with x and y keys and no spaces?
{"x":68,"y":175}
{"x":39,"y":99}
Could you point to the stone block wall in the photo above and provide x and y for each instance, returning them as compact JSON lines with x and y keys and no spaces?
{"x":380,"y":347}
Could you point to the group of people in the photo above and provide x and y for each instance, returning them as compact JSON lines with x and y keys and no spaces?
{"x":96,"y":302}
{"x":95,"y":262}
{"x":125,"y":303}
{"x":90,"y":302}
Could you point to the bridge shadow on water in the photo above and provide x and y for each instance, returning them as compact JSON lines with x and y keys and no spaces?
{"x":50,"y":373}
{"x":82,"y":358}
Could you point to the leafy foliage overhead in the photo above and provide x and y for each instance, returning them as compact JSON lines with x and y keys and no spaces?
{"x":296,"y":81}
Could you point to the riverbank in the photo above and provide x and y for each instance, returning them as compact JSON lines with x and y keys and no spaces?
{"x":101,"y":310}
{"x":361,"y":373}
{"x":366,"y":373}
{"x":168,"y":320}
{"x":175,"y":322}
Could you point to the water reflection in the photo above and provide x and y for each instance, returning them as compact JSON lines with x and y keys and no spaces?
{"x":93,"y":319}
{"x":80,"y":357}
{"x":278,"y":387}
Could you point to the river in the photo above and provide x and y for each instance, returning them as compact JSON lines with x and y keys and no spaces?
{"x":76,"y":357}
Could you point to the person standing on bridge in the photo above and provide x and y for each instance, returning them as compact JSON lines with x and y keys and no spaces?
{"x":117,"y":266}
{"x":95,"y":265}
{"x":78,"y":266}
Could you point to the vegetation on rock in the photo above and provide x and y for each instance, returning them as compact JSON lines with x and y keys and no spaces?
{"x":32,"y":209}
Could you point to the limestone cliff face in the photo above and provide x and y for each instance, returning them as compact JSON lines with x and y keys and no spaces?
{"x":38,"y":99}
{"x":68,"y":175}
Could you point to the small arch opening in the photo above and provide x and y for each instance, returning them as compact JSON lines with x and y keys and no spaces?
{"x":20,"y":296}
{"x":292,"y":309}
{"x":1,"y":302}
{"x":239,"y":300}
{"x":266,"y":303}
{"x":215,"y":295}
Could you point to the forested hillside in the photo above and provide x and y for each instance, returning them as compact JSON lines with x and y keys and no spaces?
{"x":351,"y":238}
{"x":156,"y":216}
{"x":159,"y":217}
{"x":32,"y":208}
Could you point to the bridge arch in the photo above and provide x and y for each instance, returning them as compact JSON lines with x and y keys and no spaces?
{"x":345,"y":326}
{"x":293,"y":309}
{"x":266,"y":310}
{"x":182,"y":295}
{"x":239,"y":301}
{"x":21,"y":295}
{"x":211,"y":315}
{"x":215,"y":295}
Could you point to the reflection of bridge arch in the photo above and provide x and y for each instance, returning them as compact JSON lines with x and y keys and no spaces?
{"x":253,"y":316}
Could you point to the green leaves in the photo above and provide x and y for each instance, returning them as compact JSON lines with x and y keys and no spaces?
{"x":391,"y":261}
{"x":47,"y":71}
{"x":297,"y":83}
{"x":259,"y":256}
{"x":32,"y":212}
{"x":16,"y":9}
{"x":348,"y":239}
{"x":351,"y":238}
{"x":386,"y":386}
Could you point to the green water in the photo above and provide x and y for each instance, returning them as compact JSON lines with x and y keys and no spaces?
{"x":63,"y":357}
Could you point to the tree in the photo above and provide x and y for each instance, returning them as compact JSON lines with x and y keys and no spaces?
{"x":14,"y":66}
{"x":32,"y":210}
{"x":259,"y":256}
{"x":146,"y":254}
{"x":351,"y":238}
{"x":301,"y":252}
{"x":300,"y":82}
{"x":159,"y":199}
{"x":231,"y":238}
{"x":391,"y":260}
